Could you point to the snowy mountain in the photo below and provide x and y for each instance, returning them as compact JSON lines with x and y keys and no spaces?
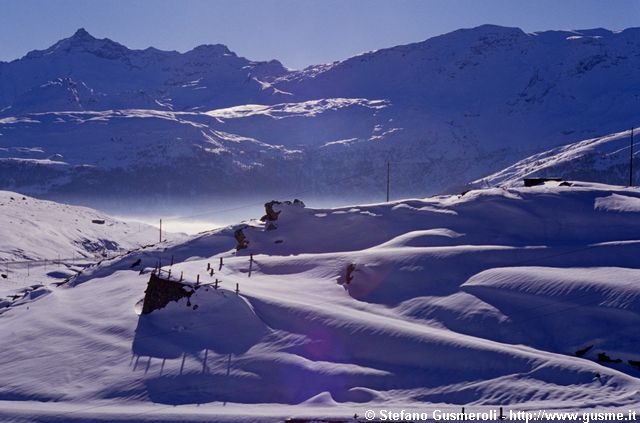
{"x":443,"y":112}
{"x":111,"y":76}
{"x":522,"y":298}
{"x":604,"y":159}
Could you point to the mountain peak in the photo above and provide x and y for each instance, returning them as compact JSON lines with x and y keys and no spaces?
{"x":83,"y":42}
{"x":82,"y":33}
{"x":211,"y":49}
{"x":82,"y":38}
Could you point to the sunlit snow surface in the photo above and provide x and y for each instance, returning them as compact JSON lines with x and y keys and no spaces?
{"x":44,"y":242}
{"x":479,"y":300}
{"x":604,"y":159}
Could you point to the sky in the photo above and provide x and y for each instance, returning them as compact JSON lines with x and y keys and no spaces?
{"x":296,"y":32}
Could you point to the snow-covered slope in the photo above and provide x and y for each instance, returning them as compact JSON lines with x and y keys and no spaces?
{"x":499,"y":86}
{"x":42,"y":242}
{"x":176,"y":153}
{"x":35,"y":229}
{"x":481,"y":300}
{"x":333,"y":146}
{"x":100,"y":74}
{"x":444,"y":111}
{"x":603,"y":159}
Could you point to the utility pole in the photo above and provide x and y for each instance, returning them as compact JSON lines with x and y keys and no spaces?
{"x":631,"y":161}
{"x":160,"y":230}
{"x":388,"y":177}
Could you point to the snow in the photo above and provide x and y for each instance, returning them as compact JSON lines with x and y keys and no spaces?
{"x":430,"y":108}
{"x":620,"y":203}
{"x":617,"y":288}
{"x":501,"y":296}
{"x":287,"y":110}
{"x":478,"y":300}
{"x":33,"y":231}
{"x":603,"y":159}
{"x":44,"y":229}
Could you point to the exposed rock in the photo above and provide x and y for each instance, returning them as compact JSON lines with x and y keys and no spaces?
{"x":160,"y":292}
{"x":604,"y":358}
{"x":350,"y":269}
{"x":271,"y":214}
{"x":583,"y":351}
{"x":241,"y":239}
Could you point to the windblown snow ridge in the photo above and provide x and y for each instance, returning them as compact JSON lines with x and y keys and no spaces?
{"x":520,"y":297}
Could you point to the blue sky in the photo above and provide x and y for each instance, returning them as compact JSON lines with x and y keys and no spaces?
{"x":296,"y":32}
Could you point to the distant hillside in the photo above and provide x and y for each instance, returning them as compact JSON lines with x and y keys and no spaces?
{"x":604,"y":159}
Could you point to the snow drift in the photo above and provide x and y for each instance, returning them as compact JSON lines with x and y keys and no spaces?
{"x":522,"y":298}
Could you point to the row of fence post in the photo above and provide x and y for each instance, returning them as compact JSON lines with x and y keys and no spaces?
{"x":210,"y":270}
{"x":158,"y":269}
{"x":46,"y":263}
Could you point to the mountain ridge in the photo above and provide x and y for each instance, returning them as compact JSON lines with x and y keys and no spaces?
{"x":457,"y":107}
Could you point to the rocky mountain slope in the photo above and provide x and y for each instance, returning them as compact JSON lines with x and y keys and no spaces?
{"x":443,"y":112}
